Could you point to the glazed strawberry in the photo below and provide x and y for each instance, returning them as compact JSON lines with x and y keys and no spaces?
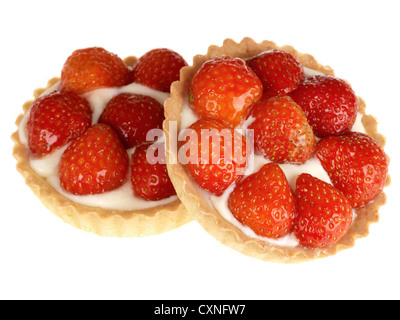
{"x":356,"y":165}
{"x":149,"y":176}
{"x":224,"y":88}
{"x":132,"y":116}
{"x":281,"y":131}
{"x":95,"y":162}
{"x":216,"y":154}
{"x":329,"y":103}
{"x":324,"y":214}
{"x":55,"y":120}
{"x":158,"y":68}
{"x":279,"y":71}
{"x":264,"y":202}
{"x":94,"y":68}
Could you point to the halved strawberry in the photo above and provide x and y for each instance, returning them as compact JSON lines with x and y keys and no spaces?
{"x":94,"y":68}
{"x":55,"y":120}
{"x":280,"y":71}
{"x":224,"y":88}
{"x":95,"y":162}
{"x":264,"y":202}
{"x":158,"y":68}
{"x":132,"y":116}
{"x":324,"y":214}
{"x":216,"y":154}
{"x":329,"y":103}
{"x":149,"y":176}
{"x":356,"y":165}
{"x":281,"y":131}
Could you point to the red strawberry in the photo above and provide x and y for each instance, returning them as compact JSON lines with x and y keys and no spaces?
{"x":95,"y":162}
{"x":55,"y":120}
{"x":356,"y":165}
{"x":216,"y":154}
{"x":279,"y":71}
{"x":329,"y":103}
{"x":93,"y":68}
{"x":149,"y":176}
{"x":264,"y":202}
{"x":324,"y":214}
{"x":132,"y":116}
{"x":224,"y":88}
{"x":158,"y":68}
{"x":281,"y":131}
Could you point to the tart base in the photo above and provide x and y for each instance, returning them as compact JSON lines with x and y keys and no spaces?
{"x":103,"y":222}
{"x":205,"y":213}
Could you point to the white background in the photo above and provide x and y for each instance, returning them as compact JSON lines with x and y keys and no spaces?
{"x":41,"y":257}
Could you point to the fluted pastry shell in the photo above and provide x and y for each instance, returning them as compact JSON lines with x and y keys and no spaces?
{"x":103,"y":222}
{"x":196,"y":200}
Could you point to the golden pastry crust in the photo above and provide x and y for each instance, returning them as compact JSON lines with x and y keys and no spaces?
{"x":205,"y":213}
{"x":103,"y":222}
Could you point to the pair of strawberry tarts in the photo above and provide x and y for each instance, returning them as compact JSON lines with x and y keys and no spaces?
{"x":302,"y":171}
{"x":83,"y":145}
{"x":266,"y":148}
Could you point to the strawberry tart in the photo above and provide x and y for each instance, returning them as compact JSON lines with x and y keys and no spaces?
{"x":272,"y":154}
{"x":82,"y":144}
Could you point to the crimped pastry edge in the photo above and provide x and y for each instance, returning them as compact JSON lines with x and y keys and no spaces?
{"x":100,"y":221}
{"x":204,"y":212}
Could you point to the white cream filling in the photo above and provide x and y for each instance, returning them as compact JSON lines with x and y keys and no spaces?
{"x":122,"y":198}
{"x":292,"y":171}
{"x":311,"y":72}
